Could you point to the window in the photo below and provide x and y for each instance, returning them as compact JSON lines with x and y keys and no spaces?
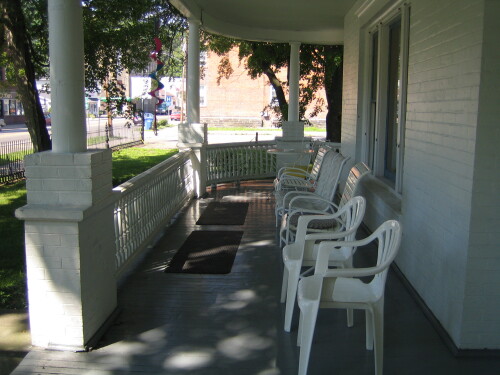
{"x":12,"y":107}
{"x":203,"y":96}
{"x":388,"y":61}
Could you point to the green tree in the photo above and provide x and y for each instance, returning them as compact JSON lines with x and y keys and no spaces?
{"x":118,"y":37}
{"x":320,"y":66}
{"x":24,"y":47}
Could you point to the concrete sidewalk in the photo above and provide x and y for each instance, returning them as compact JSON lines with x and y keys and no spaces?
{"x":15,"y":339}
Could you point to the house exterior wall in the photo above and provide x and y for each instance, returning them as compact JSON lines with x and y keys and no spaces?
{"x":481,"y":322}
{"x":239,"y":99}
{"x":350,"y":88}
{"x":448,"y":159}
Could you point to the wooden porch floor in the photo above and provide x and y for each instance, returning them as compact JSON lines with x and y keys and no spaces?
{"x":232,"y":324}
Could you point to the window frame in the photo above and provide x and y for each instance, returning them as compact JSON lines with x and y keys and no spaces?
{"x":376,"y":109}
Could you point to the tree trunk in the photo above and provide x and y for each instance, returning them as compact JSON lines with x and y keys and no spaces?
{"x":18,"y":49}
{"x":278,"y":88}
{"x":333,"y":90}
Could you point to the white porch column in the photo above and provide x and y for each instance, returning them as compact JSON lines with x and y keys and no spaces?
{"x":293,"y":129}
{"x":69,"y":228}
{"x":67,"y":76}
{"x":293,"y":83}
{"x":193,"y":134}
{"x":193,"y":73}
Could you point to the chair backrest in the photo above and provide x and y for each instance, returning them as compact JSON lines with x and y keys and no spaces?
{"x":351,"y":214}
{"x":356,"y":173}
{"x":318,"y":160}
{"x":389,"y":240}
{"x":329,"y":174}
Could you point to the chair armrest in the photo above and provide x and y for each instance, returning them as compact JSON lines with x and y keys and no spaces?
{"x":291,"y":172}
{"x":293,"y":182}
{"x":302,"y":233}
{"x":330,"y":235}
{"x":288,"y":170}
{"x":326,"y":247}
{"x":312,"y":197}
{"x":292,"y":194}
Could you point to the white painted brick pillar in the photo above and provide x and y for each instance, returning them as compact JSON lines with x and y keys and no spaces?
{"x":195,"y":137}
{"x":69,"y":229}
{"x":70,"y":249}
{"x":293,"y":129}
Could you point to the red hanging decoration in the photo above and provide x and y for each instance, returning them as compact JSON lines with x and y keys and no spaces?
{"x":159,"y":65}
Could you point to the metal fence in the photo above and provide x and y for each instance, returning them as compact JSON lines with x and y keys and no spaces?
{"x":12,"y":159}
{"x":12,"y":153}
{"x":115,"y":137}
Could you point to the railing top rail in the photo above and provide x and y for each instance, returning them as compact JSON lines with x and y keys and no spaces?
{"x":240,"y":144}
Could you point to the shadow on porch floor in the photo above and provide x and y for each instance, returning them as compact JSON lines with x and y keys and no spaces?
{"x":232,"y":324}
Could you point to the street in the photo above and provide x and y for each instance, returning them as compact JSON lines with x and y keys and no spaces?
{"x":17,"y":132}
{"x":167,"y":137}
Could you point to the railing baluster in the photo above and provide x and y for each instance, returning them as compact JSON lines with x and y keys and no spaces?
{"x":237,"y":161}
{"x":147,"y":202}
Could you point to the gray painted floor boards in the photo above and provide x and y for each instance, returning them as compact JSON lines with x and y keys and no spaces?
{"x":232,"y":324}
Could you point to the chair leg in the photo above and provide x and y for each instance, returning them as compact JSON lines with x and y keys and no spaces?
{"x":378,"y":325}
{"x":299,"y":331}
{"x":350,"y":317}
{"x":369,"y":329}
{"x":308,"y":323}
{"x":284,"y":285}
{"x":291,"y":293}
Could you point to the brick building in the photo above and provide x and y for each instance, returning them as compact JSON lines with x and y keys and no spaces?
{"x":239,"y":99}
{"x":11,"y":109}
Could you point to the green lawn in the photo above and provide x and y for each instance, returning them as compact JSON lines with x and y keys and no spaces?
{"x":12,"y":283}
{"x":129,"y":162}
{"x":241,"y":128}
{"x":126,"y":164}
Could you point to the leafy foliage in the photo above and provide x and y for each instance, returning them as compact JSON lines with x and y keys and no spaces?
{"x":320,"y":66}
{"x":24,"y":46}
{"x":118,"y":37}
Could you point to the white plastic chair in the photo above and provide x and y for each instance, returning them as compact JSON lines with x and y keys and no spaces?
{"x":340,"y":288}
{"x":296,"y":207}
{"x":321,"y":199}
{"x":304,"y":250}
{"x":299,"y":178}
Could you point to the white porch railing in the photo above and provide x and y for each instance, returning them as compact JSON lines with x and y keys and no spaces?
{"x":146,"y":203}
{"x":240,"y":161}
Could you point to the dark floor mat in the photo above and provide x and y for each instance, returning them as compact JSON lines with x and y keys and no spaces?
{"x":224,"y":213}
{"x":206,"y":252}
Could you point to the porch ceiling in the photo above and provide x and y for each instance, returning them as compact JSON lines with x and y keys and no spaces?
{"x":313,"y":21}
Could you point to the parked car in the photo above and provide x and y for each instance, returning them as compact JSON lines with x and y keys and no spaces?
{"x":137,"y":120}
{"x":175,"y":116}
{"x":48,"y":120}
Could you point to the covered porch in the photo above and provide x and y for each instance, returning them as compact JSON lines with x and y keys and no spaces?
{"x":83,"y":238}
{"x":233,"y":324}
